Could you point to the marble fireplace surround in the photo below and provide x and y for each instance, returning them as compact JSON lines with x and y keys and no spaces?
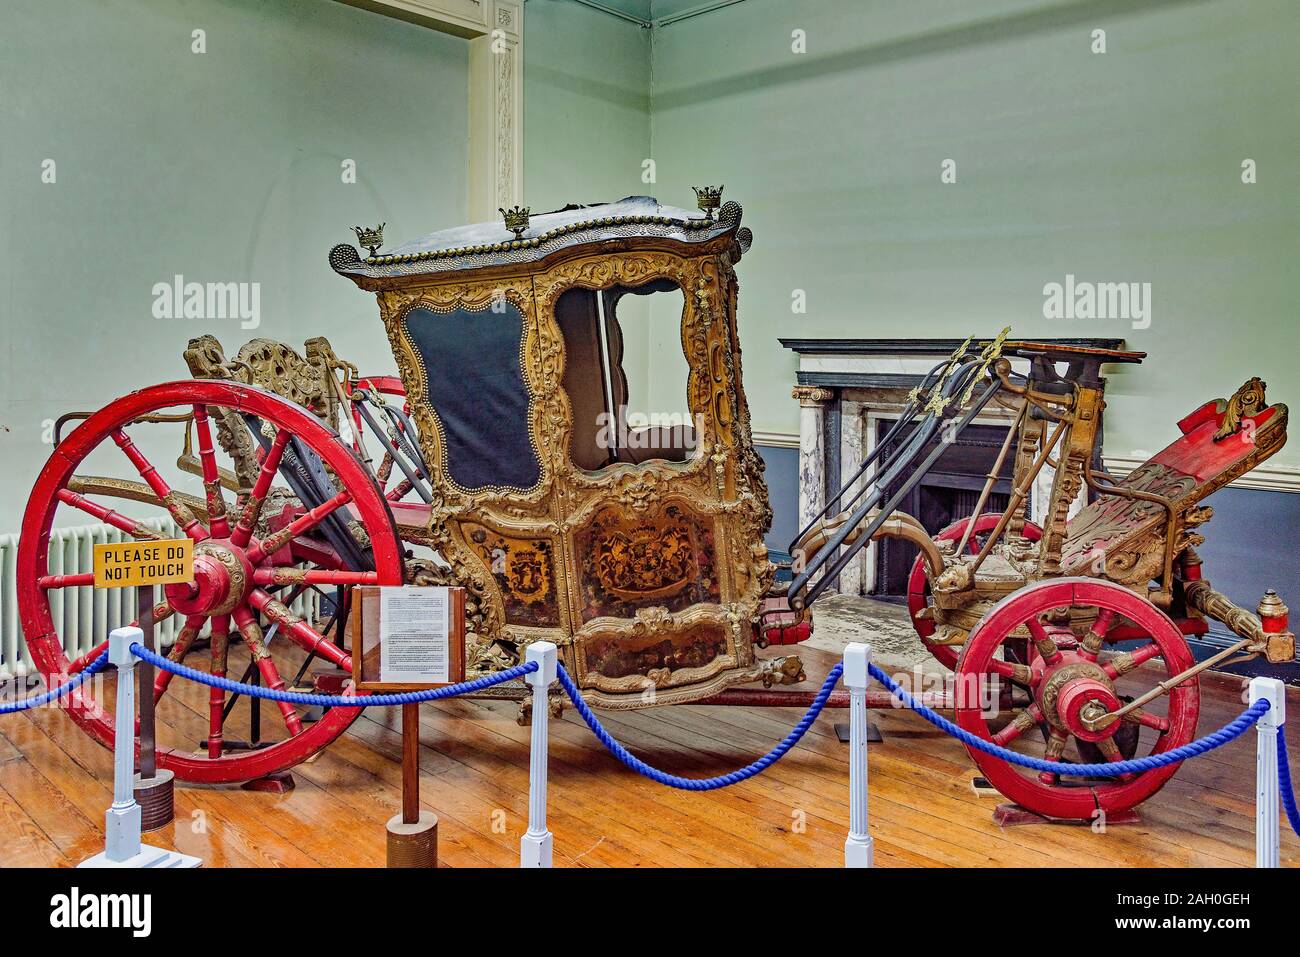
{"x":846,"y":388}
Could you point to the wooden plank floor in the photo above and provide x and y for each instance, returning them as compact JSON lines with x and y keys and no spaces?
{"x":55,"y":784}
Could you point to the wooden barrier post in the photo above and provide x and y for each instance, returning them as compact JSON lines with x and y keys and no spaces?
{"x":1268,"y":835}
{"x":859,"y":846}
{"x":535,"y":847}
{"x":413,"y":834}
{"x":122,"y":847}
{"x":154,"y":788}
{"x":408,"y":638}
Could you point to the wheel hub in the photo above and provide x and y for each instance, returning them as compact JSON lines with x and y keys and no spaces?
{"x":222,"y":576}
{"x":1073,"y":691}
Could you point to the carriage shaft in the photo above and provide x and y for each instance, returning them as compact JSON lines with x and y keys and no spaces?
{"x":1278,"y":645}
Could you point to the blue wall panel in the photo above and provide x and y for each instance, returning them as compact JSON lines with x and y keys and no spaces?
{"x":782,"y":477}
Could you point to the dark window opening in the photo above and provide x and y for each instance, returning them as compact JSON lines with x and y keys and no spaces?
{"x":605,"y":332}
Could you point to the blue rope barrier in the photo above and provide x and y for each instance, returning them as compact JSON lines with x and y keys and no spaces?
{"x":331,"y":700}
{"x":45,"y":697}
{"x":700,"y":784}
{"x":1284,"y":782}
{"x":1215,"y":739}
{"x":1209,"y":742}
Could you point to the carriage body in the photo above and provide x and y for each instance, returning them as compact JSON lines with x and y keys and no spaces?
{"x":638,"y":551}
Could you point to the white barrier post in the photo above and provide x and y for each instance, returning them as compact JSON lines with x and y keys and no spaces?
{"x":535,"y":845}
{"x":1267,"y":831}
{"x":122,"y":847}
{"x":859,"y":847}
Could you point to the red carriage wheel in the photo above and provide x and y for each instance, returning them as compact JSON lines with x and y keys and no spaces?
{"x":918,"y":584}
{"x":251,"y":562}
{"x":1073,"y":677}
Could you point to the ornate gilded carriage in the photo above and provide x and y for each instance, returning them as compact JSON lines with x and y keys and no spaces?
{"x":511,"y":463}
{"x":637,"y":549}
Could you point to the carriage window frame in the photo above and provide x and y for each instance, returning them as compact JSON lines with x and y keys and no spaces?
{"x":523,"y":303}
{"x":694,"y":416}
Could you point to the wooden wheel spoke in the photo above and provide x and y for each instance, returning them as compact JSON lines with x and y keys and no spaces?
{"x":1096,"y":637}
{"x":180,"y":647}
{"x":251,"y":633}
{"x":218,"y":519}
{"x":219,"y":644}
{"x":311,"y":576}
{"x":1025,"y":720}
{"x":1021,"y":674}
{"x":1110,"y":751}
{"x":299,"y":526}
{"x":298,"y":631}
{"x":107,"y":515}
{"x":179,"y":511}
{"x":1147,"y":720}
{"x":243,"y":531}
{"x":80,"y":664}
{"x":66,"y":581}
{"x":1126,"y":661}
{"x":161,"y":612}
{"x":1044,"y":642}
{"x":1056,"y":741}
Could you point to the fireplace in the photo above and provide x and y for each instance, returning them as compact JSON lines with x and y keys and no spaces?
{"x":850,"y":392}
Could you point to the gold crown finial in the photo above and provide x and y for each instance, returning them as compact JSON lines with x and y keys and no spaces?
{"x":516,"y":219}
{"x":370,"y":237}
{"x":708,"y":198}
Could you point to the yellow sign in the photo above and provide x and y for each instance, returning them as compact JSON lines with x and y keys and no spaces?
{"x":126,"y":564}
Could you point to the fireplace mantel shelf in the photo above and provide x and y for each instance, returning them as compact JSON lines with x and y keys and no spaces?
{"x":916,"y":347}
{"x":859,"y":380}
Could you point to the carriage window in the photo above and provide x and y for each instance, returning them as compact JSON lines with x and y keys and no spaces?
{"x":472,"y":361}
{"x":625,"y":374}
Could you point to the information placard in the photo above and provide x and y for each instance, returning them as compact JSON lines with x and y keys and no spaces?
{"x":130,"y":564}
{"x":407,"y":637}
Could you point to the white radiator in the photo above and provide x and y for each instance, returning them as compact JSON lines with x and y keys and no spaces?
{"x":84,"y":616}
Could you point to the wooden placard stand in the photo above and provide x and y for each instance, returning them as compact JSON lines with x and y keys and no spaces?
{"x":412,"y":834}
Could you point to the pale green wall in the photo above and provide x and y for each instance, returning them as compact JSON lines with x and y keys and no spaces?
{"x":223,"y":166}
{"x":586,"y":105}
{"x":1122,"y":166}
{"x":587,"y":128}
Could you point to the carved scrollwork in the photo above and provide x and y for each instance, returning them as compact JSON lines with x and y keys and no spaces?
{"x":1246,"y":402}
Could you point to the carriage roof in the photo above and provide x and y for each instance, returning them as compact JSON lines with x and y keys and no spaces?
{"x":487,"y":245}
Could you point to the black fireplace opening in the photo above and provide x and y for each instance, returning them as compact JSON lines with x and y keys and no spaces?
{"x":945,"y":495}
